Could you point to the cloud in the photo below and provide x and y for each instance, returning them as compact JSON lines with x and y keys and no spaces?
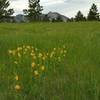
{"x":51,"y":2}
{"x":70,"y":7}
{"x":18,"y":5}
{"x":66,"y":7}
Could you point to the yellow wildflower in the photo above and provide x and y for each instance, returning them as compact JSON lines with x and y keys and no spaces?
{"x":32,"y":51}
{"x":42,"y":68}
{"x":36,"y":73}
{"x":28,"y":47}
{"x":40,"y":55}
{"x":13,"y":52}
{"x":23,"y":46}
{"x":32,"y":47}
{"x":32,"y":54}
{"x":54,"y":49}
{"x":59,"y":58}
{"x":17,"y":77}
{"x":64,"y":55}
{"x":15,"y":62}
{"x":36,"y":49}
{"x":10,"y":51}
{"x":34,"y":57}
{"x":44,"y":58}
{"x":65,"y":51}
{"x":19,"y":55}
{"x":33,"y":65}
{"x":19,"y":48}
{"x":25,"y":49}
{"x":17,"y":87}
{"x":24,"y":52}
{"x":47,"y":54}
{"x":61,"y":51}
{"x":51,"y":55}
{"x":38,"y":64}
{"x":64,"y":46}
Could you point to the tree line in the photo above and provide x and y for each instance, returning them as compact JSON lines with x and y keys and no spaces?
{"x":92,"y":15}
{"x":35,"y":10}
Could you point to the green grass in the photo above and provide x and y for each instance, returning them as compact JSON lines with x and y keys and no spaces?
{"x":75,"y":78}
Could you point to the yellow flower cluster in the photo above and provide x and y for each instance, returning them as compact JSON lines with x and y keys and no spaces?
{"x":17,"y":86}
{"x":38,"y":61}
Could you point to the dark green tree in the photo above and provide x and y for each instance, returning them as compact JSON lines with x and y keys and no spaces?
{"x":4,"y":4}
{"x":79,"y":16}
{"x":35,"y":9}
{"x":93,"y":13}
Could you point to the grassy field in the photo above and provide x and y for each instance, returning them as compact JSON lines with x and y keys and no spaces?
{"x":75,"y":77}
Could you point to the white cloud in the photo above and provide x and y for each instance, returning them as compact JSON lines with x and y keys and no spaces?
{"x":66,"y":7}
{"x":70,"y":7}
{"x":19,"y":5}
{"x":51,"y":2}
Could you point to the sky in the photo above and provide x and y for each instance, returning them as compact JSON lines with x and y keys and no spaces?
{"x":68,"y":8}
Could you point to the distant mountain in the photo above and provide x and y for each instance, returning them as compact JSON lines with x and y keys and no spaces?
{"x":51,"y":16}
{"x":54,"y":16}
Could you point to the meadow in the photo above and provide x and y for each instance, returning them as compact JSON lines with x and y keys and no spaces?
{"x":66,"y":58}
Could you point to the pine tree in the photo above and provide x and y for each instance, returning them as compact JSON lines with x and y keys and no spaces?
{"x":93,"y":13}
{"x":4,"y":4}
{"x":79,"y":17}
{"x":35,"y":9}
